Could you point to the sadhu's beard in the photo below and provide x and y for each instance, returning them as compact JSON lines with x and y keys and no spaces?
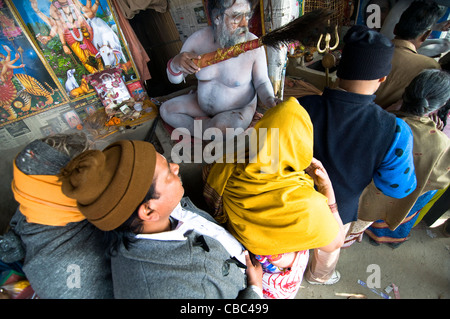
{"x":226,"y":40}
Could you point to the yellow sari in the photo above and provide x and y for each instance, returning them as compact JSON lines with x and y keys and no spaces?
{"x":274,"y":209}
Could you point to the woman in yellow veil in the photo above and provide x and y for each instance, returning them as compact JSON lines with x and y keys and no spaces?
{"x":269,"y":202}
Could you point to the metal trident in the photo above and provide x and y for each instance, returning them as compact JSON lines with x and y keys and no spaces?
{"x":328,"y":60}
{"x":327,"y":42}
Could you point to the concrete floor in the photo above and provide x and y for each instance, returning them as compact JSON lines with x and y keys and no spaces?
{"x":420,"y":268}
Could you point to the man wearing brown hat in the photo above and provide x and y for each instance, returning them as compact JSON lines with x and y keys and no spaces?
{"x":355,"y":139}
{"x":162,"y":246}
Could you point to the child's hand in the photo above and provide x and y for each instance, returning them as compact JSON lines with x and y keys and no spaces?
{"x":439,"y":124}
{"x":321,"y":179}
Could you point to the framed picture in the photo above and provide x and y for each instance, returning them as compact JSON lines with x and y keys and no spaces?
{"x":77,"y":38}
{"x":90,"y":109}
{"x":72,"y":119}
{"x":110,"y":88}
{"x":47,"y":130}
{"x":27,"y":86}
{"x":49,"y":47}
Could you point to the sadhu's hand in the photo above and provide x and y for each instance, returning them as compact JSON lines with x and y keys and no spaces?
{"x":183,"y":62}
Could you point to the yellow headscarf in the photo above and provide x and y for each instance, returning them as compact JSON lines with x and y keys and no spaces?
{"x":42,"y":201}
{"x":273,"y":211}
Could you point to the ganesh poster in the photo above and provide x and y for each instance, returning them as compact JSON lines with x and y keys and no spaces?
{"x":49,"y":47}
{"x":26,"y":86}
{"x":77,"y":38}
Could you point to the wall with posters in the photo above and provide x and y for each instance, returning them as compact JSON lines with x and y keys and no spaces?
{"x":188,"y":15}
{"x":47,"y":50}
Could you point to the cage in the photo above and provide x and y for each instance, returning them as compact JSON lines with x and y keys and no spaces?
{"x":338,"y":7}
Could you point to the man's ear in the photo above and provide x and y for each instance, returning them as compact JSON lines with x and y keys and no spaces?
{"x":217,"y":20}
{"x":425,"y":36}
{"x":381,"y":80}
{"x":146,"y":213}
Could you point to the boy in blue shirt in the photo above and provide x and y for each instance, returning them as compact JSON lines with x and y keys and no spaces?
{"x":355,"y":139}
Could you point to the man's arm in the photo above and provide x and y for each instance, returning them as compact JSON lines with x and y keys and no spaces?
{"x":254,"y":279}
{"x":323,"y":183}
{"x":181,"y":64}
{"x":261,"y":81}
{"x":396,"y":175}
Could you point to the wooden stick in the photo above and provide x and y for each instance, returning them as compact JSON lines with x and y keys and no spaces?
{"x":226,"y":53}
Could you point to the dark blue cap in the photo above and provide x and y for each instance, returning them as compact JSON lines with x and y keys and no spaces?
{"x":366,"y":55}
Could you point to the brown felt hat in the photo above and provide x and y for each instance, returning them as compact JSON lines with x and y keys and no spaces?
{"x":110,"y":184}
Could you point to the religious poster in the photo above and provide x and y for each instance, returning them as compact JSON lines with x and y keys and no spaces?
{"x":47,"y":50}
{"x":110,"y":88}
{"x":77,"y":38}
{"x":26,"y":86}
{"x":72,"y":119}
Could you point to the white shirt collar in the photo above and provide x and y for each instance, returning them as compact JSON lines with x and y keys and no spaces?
{"x":188,"y":220}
